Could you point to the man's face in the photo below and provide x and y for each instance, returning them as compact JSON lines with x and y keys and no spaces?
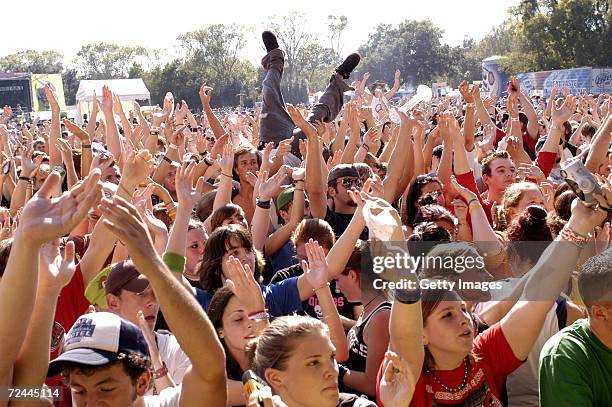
{"x":127,"y":304}
{"x":112,"y":175}
{"x":343,"y":185}
{"x":106,"y":387}
{"x":245,"y":163}
{"x":502,"y":174}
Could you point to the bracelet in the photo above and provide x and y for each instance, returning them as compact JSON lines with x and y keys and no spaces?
{"x":323,"y":286}
{"x":161,"y":372}
{"x":259,"y":315}
{"x":207,"y":160}
{"x":407,"y":296}
{"x":263,"y":204}
{"x":473,"y":200}
{"x":169,"y":205}
{"x":85,"y":145}
{"x":22,"y":178}
{"x":473,"y":207}
{"x":166,"y":159}
{"x":469,"y":104}
{"x":365,"y":147}
{"x":574,"y":237}
{"x":228,"y":176}
{"x":514,"y":119}
{"x":174,"y":146}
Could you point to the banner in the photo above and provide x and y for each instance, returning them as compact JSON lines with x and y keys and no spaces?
{"x":589,"y":80}
{"x":601,"y":80}
{"x":39,"y":99}
{"x":494,"y":81}
{"x":15,"y":91}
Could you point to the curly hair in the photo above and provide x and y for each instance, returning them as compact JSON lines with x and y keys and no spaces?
{"x":133,"y":364}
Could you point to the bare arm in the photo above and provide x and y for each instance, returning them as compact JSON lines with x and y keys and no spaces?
{"x":55,"y":157}
{"x":215,"y":125}
{"x":398,"y":167}
{"x":396,"y":85}
{"x":601,"y":143}
{"x":112,"y":134}
{"x":192,"y":328}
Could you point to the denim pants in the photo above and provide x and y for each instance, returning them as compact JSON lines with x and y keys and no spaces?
{"x":275,"y":124}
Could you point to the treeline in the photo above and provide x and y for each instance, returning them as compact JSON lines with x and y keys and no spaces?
{"x":537,"y":35}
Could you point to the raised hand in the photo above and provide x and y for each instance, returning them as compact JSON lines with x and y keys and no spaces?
{"x":45,"y":218}
{"x":463,"y":191}
{"x":149,"y":337}
{"x":241,"y":281}
{"x":269,"y":188}
{"x":205,"y":95}
{"x":397,"y":383}
{"x":371,"y":137}
{"x":52,"y":98}
{"x":488,"y":137}
{"x":102,"y":160}
{"x":186,"y":194}
{"x":107,"y":101}
{"x":77,"y":131}
{"x":562,"y":114}
{"x":124,"y":221}
{"x":315,"y":269}
{"x":29,"y":167}
{"x":219,"y":146}
{"x":464,"y":89}
{"x":300,"y":122}
{"x":531,"y":171}
{"x":65,"y":149}
{"x":54,"y":269}
{"x":137,"y":167}
{"x":397,"y":75}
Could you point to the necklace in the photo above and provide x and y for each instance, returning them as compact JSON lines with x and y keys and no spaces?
{"x":368,"y":303}
{"x":466,"y":370}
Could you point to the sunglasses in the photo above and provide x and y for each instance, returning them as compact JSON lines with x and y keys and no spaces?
{"x":209,"y":138}
{"x":349,"y":182}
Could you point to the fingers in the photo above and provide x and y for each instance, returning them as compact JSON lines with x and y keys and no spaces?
{"x":69,"y":252}
{"x":48,"y":187}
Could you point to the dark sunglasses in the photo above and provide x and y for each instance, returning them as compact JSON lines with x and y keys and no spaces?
{"x":349,"y":182}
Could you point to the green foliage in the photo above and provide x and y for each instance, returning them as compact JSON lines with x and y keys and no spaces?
{"x":33,"y":62}
{"x":107,"y":61}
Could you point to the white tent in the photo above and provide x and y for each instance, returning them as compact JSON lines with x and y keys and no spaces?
{"x":128,"y":90}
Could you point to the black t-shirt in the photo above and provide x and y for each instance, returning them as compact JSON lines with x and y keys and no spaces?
{"x":311,"y":305}
{"x":340,"y":221}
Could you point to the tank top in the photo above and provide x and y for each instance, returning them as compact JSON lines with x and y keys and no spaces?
{"x":358,"y":350}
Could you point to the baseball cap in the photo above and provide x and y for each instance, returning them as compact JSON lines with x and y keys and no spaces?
{"x":342,"y":170}
{"x":97,"y":339}
{"x":285,"y":197}
{"x":124,"y":275}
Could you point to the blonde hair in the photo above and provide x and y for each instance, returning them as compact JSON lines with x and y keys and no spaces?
{"x":512,"y":196}
{"x":272,"y":348}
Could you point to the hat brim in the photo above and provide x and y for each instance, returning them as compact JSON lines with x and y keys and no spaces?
{"x":82,"y":356}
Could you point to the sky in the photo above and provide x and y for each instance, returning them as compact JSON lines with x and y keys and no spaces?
{"x":66,"y":25}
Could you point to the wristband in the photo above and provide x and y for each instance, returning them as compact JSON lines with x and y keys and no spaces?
{"x":574,"y":237}
{"x":166,"y":159}
{"x":228,"y":176}
{"x":207,"y":160}
{"x":342,"y":370}
{"x":263,"y":204}
{"x":85,"y":145}
{"x":21,"y":178}
{"x":473,"y":200}
{"x":365,"y":147}
{"x":161,"y":372}
{"x":259,"y":315}
{"x":407,"y":296}
{"x":514,"y":119}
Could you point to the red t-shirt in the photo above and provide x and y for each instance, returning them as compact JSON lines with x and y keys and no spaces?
{"x":468,"y":181}
{"x":529,"y":143}
{"x":71,"y":304}
{"x":485,"y":379}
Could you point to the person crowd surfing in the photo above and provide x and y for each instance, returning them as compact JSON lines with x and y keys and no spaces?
{"x":163,"y":259}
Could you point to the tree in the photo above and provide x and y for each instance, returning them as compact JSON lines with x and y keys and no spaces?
{"x":216,"y":46}
{"x":107,"y":61}
{"x":412,"y":46}
{"x":33,"y":62}
{"x":336,"y":26}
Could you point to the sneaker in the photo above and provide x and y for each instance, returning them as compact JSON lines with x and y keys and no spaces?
{"x":349,"y":64}
{"x":269,"y":40}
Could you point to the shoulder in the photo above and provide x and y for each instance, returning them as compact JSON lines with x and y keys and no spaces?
{"x":571,"y":341}
{"x":169,"y":397}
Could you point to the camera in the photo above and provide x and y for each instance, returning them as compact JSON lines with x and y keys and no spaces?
{"x":581,"y":180}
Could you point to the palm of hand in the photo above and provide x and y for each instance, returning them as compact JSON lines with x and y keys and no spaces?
{"x":48,"y":219}
{"x":54,"y":267}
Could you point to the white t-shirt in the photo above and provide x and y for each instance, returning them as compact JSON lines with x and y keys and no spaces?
{"x":169,"y":397}
{"x":172,"y":355}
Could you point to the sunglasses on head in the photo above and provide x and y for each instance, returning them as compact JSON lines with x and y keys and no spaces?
{"x":349,"y":182}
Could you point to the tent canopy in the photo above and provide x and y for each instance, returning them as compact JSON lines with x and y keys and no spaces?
{"x":126,"y":89}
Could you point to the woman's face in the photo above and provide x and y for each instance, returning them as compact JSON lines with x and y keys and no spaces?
{"x":449,"y":330}
{"x":195,"y":249}
{"x":237,"y":328}
{"x":350,"y":285}
{"x":169,"y":180}
{"x":310,"y":378}
{"x":246,"y":256}
{"x":434,"y":189}
{"x":531,"y":196}
{"x":237,"y":218}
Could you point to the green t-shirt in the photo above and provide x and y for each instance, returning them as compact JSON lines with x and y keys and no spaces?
{"x":575,"y":369}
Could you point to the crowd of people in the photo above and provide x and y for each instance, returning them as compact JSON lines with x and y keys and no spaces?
{"x":165,"y":260}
